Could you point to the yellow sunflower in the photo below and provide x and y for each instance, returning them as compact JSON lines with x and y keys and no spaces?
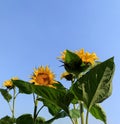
{"x":43,"y":76}
{"x":86,"y":56}
{"x":8,"y":83}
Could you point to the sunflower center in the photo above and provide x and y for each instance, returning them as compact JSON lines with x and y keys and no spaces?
{"x":43,"y":79}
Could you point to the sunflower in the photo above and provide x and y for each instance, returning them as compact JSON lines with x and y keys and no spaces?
{"x":43,"y":76}
{"x":8,"y":83}
{"x":86,"y":56}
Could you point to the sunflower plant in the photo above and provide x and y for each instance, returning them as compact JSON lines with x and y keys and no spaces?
{"x":9,"y":88}
{"x":91,"y":84}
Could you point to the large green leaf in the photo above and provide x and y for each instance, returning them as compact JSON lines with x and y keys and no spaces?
{"x":53,"y":108}
{"x":96,"y":85}
{"x":60,"y":98}
{"x":25,"y":119}
{"x":24,"y":87}
{"x":6,"y":94}
{"x":98,"y":113}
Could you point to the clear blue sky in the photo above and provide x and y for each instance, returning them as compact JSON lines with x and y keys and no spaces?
{"x":33,"y":33}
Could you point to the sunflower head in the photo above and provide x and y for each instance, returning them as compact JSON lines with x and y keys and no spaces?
{"x":87,"y":57}
{"x":8,"y":83}
{"x":43,"y":76}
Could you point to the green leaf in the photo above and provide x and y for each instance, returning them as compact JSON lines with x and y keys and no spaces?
{"x":96,"y":85}
{"x":53,"y":108}
{"x":6,"y":94}
{"x":25,"y":119}
{"x":60,"y":98}
{"x":24,"y":87}
{"x":98,"y":113}
{"x":7,"y":120}
{"x":75,"y":113}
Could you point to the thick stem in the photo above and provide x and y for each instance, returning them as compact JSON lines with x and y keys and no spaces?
{"x":74,"y":121}
{"x":82,"y":112}
{"x":13,"y":104}
{"x":87,"y":117}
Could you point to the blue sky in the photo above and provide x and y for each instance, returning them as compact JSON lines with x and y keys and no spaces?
{"x":33,"y":33}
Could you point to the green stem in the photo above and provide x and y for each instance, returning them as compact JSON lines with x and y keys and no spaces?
{"x":39,"y":110}
{"x":10,"y":107}
{"x":13,"y":103}
{"x":35,"y":107}
{"x":82,"y":112}
{"x":76,"y":120}
{"x":87,"y":117}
